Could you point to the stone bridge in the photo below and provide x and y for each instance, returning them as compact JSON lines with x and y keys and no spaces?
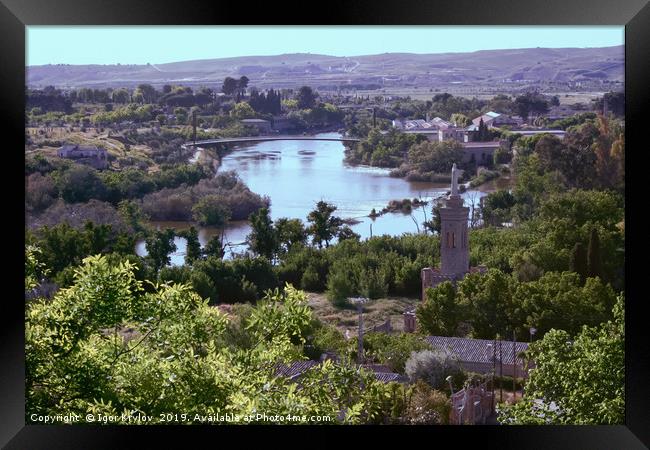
{"x":239,"y":140}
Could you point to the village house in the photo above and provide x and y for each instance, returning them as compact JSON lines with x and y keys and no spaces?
{"x":485,"y":356}
{"x":493,"y":119}
{"x":297,"y":369}
{"x":263,"y":126}
{"x":89,"y":155}
{"x":282,"y":124}
{"x":480,"y":152}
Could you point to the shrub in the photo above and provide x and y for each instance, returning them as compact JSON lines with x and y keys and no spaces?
{"x":427,"y":406}
{"x":433,"y":367}
{"x":393,"y":349}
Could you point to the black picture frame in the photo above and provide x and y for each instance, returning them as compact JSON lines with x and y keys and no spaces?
{"x":16,"y":14}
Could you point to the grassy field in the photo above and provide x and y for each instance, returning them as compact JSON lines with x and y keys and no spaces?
{"x":90,"y":137}
{"x":375,"y":312}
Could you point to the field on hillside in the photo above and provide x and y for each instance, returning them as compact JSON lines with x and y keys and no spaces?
{"x":375,"y":312}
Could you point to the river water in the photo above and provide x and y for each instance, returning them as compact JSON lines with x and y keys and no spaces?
{"x":298,"y":174}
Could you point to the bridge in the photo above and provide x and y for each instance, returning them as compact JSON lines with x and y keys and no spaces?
{"x":239,"y":140}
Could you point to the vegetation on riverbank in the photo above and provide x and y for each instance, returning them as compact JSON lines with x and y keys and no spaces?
{"x":559,"y":267}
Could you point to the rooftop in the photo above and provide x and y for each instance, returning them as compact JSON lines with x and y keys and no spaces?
{"x":490,"y":144}
{"x":477,"y":350}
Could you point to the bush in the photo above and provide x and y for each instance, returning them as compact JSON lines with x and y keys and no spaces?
{"x":433,"y":367}
{"x":427,"y":406}
{"x":393,"y":349}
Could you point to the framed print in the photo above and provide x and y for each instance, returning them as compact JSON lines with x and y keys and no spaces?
{"x":386,"y":218}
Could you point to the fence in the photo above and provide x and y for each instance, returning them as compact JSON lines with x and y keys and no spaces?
{"x":471,"y":405}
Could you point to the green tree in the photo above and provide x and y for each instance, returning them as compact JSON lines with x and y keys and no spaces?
{"x":578,"y":263}
{"x":242,"y":84}
{"x":324,"y":226}
{"x":290,"y":232}
{"x":497,"y":207}
{"x":193,"y":247}
{"x":229,"y":86}
{"x":439,"y":314}
{"x":487,"y":301}
{"x":211,"y":210}
{"x":242,"y":111}
{"x":263,"y":238}
{"x":159,"y":245}
{"x":436,"y":157}
{"x":577,"y":381}
{"x":460,"y":120}
{"x":593,"y":255}
{"x":306,"y":97}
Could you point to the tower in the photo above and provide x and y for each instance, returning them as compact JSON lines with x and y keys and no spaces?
{"x":454,"y":242}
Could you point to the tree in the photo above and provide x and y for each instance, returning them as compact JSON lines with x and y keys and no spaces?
{"x":439,"y":314}
{"x":594,"y":266}
{"x":324,"y":226}
{"x":147,"y":91}
{"x":345,"y":232}
{"x":79,"y":183}
{"x":242,"y":84}
{"x":578,"y":263}
{"x":483,"y":132}
{"x":437,"y":157}
{"x":211,"y":210}
{"x":497,"y":206}
{"x":263,"y":238}
{"x":159,"y":245}
{"x":105,"y":346}
{"x":214,"y":247}
{"x":578,"y":381}
{"x":460,"y":120}
{"x":435,"y":224}
{"x":290,"y":232}
{"x":242,"y":111}
{"x":193,"y":246}
{"x":487,"y":301}
{"x":306,"y":97}
{"x":229,"y":86}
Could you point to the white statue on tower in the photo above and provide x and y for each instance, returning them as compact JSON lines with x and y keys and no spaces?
{"x":454,"y":180}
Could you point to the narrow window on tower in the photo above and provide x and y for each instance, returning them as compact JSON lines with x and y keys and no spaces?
{"x":453,"y":240}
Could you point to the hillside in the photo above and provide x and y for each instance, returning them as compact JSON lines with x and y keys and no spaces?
{"x":329,"y":72}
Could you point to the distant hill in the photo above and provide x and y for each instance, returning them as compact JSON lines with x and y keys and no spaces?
{"x":388,"y":69}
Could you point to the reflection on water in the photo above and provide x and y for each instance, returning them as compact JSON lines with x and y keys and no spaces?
{"x":298,"y":174}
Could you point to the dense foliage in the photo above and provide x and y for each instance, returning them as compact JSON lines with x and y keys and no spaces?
{"x":576,"y":380}
{"x":104,"y":346}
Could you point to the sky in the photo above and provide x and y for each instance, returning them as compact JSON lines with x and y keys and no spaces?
{"x":162,"y":44}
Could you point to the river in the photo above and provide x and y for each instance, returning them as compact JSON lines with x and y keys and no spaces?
{"x":298,"y":174}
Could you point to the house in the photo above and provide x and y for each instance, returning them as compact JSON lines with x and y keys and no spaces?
{"x":296,"y":369}
{"x":282,"y":123}
{"x":493,"y":119}
{"x":263,"y":126}
{"x":90,"y":155}
{"x":481,"y":152}
{"x":415,"y":125}
{"x":484,"y":355}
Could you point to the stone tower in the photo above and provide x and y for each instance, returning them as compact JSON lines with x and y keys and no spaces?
{"x":454,"y":243}
{"x":454,"y":248}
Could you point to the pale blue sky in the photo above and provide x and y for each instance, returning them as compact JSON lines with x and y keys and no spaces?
{"x":161,"y":44}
